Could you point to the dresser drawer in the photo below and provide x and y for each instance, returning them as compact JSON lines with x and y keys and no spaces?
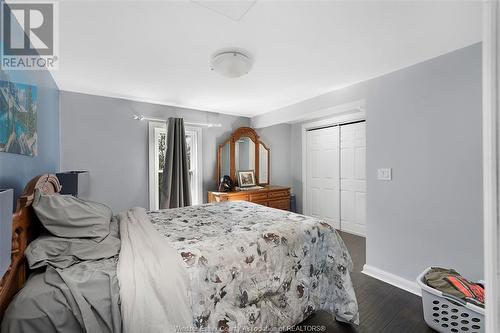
{"x":258,"y":197}
{"x":278,"y":194}
{"x":216,"y":197}
{"x":238,"y":197}
{"x":272,"y":196}
{"x":280,"y":204}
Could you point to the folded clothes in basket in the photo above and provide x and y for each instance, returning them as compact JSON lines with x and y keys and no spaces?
{"x":448,"y":281}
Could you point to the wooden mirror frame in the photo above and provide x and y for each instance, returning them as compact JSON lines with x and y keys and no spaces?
{"x":25,"y":228}
{"x":235,"y":136}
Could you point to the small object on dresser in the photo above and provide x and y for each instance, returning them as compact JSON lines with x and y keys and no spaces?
{"x":225,"y":184}
{"x":75,"y":183}
{"x":6,"y":205}
{"x":252,"y":188}
{"x":246,"y":178}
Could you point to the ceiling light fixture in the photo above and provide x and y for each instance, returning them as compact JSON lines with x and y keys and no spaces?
{"x":231,"y":63}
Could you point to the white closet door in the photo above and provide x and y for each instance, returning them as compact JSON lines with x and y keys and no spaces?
{"x":353,"y":178}
{"x":323,"y":183}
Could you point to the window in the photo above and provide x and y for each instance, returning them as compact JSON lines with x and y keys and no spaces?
{"x":157,"y":146}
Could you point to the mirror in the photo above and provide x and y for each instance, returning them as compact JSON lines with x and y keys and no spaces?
{"x":225,"y":159}
{"x":263,"y":164}
{"x":244,"y":154}
{"x":243,"y":150}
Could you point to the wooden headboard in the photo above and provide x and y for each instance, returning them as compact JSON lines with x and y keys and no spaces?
{"x":25,"y":228}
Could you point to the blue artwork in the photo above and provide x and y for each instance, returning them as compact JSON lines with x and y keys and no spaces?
{"x":18,"y":117}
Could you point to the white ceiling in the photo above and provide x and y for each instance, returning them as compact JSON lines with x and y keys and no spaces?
{"x":159,"y":51}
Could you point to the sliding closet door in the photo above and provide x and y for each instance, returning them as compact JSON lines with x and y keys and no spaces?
{"x":353,"y":178}
{"x":323,"y":182}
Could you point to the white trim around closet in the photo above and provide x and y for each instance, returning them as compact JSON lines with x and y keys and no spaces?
{"x":340,"y":114}
{"x":491,"y":155}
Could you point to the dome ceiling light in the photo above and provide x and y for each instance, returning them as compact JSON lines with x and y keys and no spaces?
{"x":231,"y":64}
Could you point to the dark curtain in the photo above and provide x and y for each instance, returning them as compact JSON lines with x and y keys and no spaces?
{"x":175,"y":188}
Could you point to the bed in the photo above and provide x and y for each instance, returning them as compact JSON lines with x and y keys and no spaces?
{"x":248,"y":267}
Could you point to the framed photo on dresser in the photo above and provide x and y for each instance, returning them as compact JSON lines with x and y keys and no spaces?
{"x":246,"y":178}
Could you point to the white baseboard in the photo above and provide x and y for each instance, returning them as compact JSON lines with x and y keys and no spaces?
{"x":392,"y":279}
{"x":357,"y":232}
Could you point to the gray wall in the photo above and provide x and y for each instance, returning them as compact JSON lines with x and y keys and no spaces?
{"x":425,"y":123}
{"x":277,"y":138}
{"x":99,"y":135}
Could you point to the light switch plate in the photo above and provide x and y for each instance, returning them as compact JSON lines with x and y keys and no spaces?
{"x":384,"y":174}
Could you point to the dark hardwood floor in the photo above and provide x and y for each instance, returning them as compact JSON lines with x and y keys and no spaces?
{"x":383,"y":308}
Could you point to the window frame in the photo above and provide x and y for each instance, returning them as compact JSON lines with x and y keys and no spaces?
{"x":155,"y":128}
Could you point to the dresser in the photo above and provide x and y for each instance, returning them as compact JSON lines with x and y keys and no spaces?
{"x":271,"y":195}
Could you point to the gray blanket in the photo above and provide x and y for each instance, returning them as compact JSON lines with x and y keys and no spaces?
{"x":75,"y":288}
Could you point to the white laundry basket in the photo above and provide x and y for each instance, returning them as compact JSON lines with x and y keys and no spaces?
{"x":447,"y":314}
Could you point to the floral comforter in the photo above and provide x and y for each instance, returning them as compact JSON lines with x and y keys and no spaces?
{"x":253,"y":267}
